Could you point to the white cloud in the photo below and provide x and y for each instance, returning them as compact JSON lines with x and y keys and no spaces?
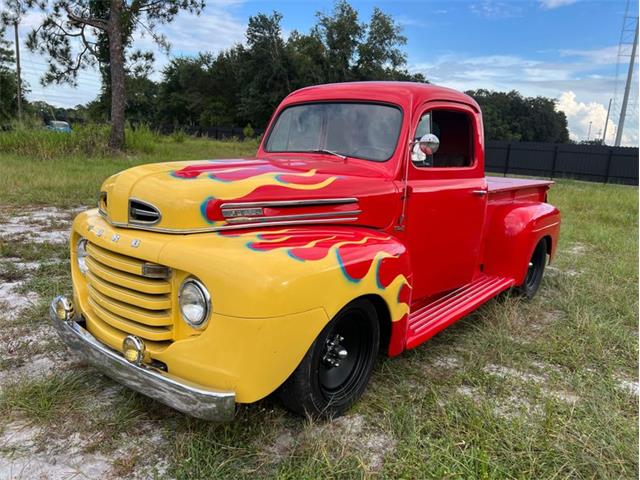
{"x":598,"y":56}
{"x":492,"y":9}
{"x":584,"y":93}
{"x":582,"y":114}
{"x":551,"y":4}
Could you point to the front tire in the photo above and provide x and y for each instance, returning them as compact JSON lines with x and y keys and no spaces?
{"x":337,"y":367}
{"x":535,"y":271}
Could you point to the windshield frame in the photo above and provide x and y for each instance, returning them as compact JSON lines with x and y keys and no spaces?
{"x":339,"y":101}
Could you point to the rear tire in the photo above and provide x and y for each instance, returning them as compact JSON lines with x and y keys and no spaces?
{"x":336,"y":369}
{"x":535,"y":272}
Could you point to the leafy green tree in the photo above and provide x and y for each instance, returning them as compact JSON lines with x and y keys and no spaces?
{"x":76,"y":34}
{"x":8,"y":81}
{"x":511,"y":117}
{"x":307,"y":57}
{"x":341,"y":33}
{"x":380,"y":54}
{"x":265,"y":69}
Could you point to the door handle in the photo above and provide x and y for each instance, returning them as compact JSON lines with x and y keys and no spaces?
{"x":479,"y":192}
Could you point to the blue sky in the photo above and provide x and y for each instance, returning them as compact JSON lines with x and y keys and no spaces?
{"x":563,"y":49}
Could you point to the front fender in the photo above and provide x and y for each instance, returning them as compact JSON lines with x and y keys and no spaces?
{"x":274,"y":290}
{"x":513,"y":233}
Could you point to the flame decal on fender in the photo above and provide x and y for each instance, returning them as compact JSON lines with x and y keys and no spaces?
{"x":369,"y":262}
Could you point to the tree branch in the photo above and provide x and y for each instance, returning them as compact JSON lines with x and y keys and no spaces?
{"x":94,"y":22}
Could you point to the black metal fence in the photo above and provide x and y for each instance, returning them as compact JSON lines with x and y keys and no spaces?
{"x":593,"y":163}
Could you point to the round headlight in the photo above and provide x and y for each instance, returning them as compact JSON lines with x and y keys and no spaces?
{"x":195,"y":303}
{"x":81,"y":255}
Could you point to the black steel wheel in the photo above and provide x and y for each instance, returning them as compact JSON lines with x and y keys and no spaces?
{"x":535,"y":271}
{"x":337,"y":367}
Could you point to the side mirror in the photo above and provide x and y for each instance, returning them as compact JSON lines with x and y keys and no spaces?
{"x":423,"y":150}
{"x":429,"y":144}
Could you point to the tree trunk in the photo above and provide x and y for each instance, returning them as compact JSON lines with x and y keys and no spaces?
{"x":116,"y":59}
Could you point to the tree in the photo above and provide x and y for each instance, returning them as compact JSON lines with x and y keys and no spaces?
{"x":265,"y":69}
{"x":510,"y":116}
{"x":8,"y":93}
{"x":341,"y":34}
{"x":76,"y":34}
{"x":380,"y":54}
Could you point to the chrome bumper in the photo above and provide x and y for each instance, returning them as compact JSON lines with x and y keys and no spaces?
{"x":180,"y":394}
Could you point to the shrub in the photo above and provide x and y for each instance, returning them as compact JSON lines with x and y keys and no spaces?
{"x":248,"y":131}
{"x":179,"y":136}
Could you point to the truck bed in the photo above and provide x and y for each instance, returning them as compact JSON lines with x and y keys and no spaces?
{"x":503,"y":184}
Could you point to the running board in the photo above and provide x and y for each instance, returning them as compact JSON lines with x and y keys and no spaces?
{"x":430,"y":319}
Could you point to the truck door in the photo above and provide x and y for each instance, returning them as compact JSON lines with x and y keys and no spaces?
{"x":447,"y":199}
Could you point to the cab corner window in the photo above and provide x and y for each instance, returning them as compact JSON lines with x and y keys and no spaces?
{"x":453,"y":129}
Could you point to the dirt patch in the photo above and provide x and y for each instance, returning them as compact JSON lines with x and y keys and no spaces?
{"x":541,"y":380}
{"x":577,"y":249}
{"x":38,"y":224}
{"x":30,"y":452}
{"x":350,"y":434}
{"x":282,"y":446}
{"x":13,"y":302}
{"x":447,"y":362}
{"x":353,"y":432}
{"x":632,"y":387}
{"x":511,"y":373}
{"x":567,"y":272}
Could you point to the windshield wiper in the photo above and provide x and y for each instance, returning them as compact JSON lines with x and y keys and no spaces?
{"x":324,"y":150}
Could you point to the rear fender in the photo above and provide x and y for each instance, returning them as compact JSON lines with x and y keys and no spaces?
{"x":512,"y":235}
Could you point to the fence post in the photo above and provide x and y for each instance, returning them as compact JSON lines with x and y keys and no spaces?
{"x":506,"y":160}
{"x":555,"y":158}
{"x":606,"y":178}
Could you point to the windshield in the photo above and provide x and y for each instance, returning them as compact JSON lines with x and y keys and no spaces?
{"x":360,"y":130}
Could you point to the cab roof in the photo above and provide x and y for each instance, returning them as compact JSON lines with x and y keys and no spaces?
{"x":405,"y":94}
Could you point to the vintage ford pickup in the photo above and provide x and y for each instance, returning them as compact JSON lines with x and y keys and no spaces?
{"x":364,"y":224}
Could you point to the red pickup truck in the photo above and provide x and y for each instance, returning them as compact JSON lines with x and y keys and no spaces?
{"x":365,"y":223}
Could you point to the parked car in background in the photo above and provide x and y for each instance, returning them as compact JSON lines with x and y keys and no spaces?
{"x":59,"y":126}
{"x":365,"y":223}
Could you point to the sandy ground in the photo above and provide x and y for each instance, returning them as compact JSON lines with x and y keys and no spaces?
{"x":32,"y":352}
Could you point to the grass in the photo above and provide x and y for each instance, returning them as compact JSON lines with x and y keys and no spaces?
{"x":516,"y":390}
{"x":49,"y":168}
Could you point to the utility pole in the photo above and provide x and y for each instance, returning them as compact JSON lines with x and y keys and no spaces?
{"x":589,"y":133}
{"x":606,"y":123}
{"x":19,"y":82}
{"x":627,"y":89}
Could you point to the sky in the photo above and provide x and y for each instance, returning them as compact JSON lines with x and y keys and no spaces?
{"x":562,"y":49}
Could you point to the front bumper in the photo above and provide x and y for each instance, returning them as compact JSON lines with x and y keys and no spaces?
{"x":180,"y":394}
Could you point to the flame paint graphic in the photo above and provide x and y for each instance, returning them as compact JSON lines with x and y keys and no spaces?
{"x":235,"y":183}
{"x":369,"y":261}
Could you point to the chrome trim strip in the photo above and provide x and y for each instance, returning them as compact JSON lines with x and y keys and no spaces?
{"x":143,"y":222}
{"x":185,"y":396}
{"x":290,"y":203}
{"x":229,"y":227}
{"x":302,"y":216}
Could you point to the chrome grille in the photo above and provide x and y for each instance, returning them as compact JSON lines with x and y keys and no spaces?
{"x":123,"y":298}
{"x":142,"y":212}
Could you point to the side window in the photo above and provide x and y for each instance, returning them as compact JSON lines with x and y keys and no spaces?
{"x":453,"y":129}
